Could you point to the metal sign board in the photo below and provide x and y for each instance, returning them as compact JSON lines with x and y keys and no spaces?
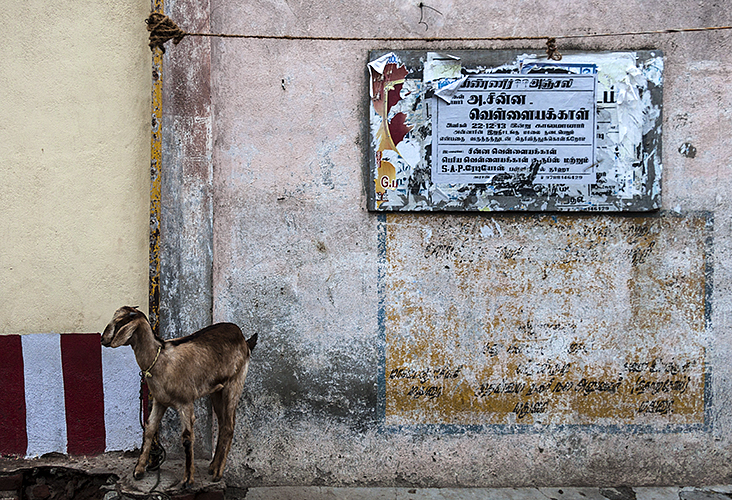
{"x":506,"y":130}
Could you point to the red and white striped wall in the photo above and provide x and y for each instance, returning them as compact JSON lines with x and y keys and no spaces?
{"x":66,"y":393}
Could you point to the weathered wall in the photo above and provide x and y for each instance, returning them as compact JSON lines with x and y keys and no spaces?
{"x":74,"y":156}
{"x":186,"y":224}
{"x":342,"y":297}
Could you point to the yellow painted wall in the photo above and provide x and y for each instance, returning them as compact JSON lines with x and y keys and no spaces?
{"x":74,"y":163}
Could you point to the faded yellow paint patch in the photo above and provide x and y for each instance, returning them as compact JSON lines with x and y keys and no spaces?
{"x":156,"y":166}
{"x":544,"y":319}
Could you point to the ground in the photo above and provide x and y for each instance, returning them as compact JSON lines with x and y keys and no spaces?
{"x":109,"y":477}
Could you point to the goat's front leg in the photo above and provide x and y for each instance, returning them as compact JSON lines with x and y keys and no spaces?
{"x":187,"y":418}
{"x":151,"y":428}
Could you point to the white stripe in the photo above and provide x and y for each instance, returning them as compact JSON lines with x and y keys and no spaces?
{"x":44,"y":394}
{"x":121,"y":379}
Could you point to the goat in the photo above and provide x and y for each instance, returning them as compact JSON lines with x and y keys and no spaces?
{"x":214,"y":361}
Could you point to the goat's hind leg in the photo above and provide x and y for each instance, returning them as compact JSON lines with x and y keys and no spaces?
{"x":218,"y":408}
{"x":225,"y":402}
{"x":187,"y":418}
{"x":151,"y":428}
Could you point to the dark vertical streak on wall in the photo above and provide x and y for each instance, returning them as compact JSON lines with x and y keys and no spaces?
{"x":381,"y":377}
{"x":708,"y":310}
{"x":186,"y":193}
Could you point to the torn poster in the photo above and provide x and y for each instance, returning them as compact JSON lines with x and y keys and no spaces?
{"x":508,"y":130}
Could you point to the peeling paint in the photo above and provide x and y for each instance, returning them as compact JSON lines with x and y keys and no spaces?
{"x":156,"y":154}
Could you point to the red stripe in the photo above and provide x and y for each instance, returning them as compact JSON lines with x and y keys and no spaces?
{"x":13,"y":435}
{"x":81,"y":358}
{"x":145,"y":402}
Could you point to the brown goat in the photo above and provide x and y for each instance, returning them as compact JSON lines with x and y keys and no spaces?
{"x":212,"y":361}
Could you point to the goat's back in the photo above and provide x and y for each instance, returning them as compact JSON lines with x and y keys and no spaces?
{"x":220,"y":332}
{"x":224,"y":341}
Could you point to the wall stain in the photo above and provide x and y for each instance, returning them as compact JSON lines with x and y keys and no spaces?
{"x":560,"y":320}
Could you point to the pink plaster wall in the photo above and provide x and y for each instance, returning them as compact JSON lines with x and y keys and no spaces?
{"x":296,"y":256}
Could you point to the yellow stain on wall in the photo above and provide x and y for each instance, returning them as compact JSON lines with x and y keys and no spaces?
{"x":156,"y":155}
{"x":544,"y":319}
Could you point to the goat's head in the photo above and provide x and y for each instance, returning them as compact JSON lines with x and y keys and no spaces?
{"x":124,"y":323}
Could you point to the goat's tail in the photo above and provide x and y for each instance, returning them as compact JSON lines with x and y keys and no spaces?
{"x":252,"y":342}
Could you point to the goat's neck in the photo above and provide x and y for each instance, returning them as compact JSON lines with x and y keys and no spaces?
{"x":144,"y":345}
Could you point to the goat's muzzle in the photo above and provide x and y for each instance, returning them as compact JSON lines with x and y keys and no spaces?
{"x":106,"y":337}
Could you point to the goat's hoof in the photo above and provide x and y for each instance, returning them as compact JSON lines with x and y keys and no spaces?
{"x":187,"y":485}
{"x":138,"y":475}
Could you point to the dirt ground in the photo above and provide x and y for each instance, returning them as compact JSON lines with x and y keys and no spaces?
{"x":108,"y":477}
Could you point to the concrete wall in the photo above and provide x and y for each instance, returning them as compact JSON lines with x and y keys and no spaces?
{"x":74,"y":149}
{"x":343,"y":298}
{"x":74,"y":204}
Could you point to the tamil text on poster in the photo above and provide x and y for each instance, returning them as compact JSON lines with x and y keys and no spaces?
{"x":525,"y":129}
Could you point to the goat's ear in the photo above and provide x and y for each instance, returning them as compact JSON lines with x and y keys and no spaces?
{"x":122,"y":336}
